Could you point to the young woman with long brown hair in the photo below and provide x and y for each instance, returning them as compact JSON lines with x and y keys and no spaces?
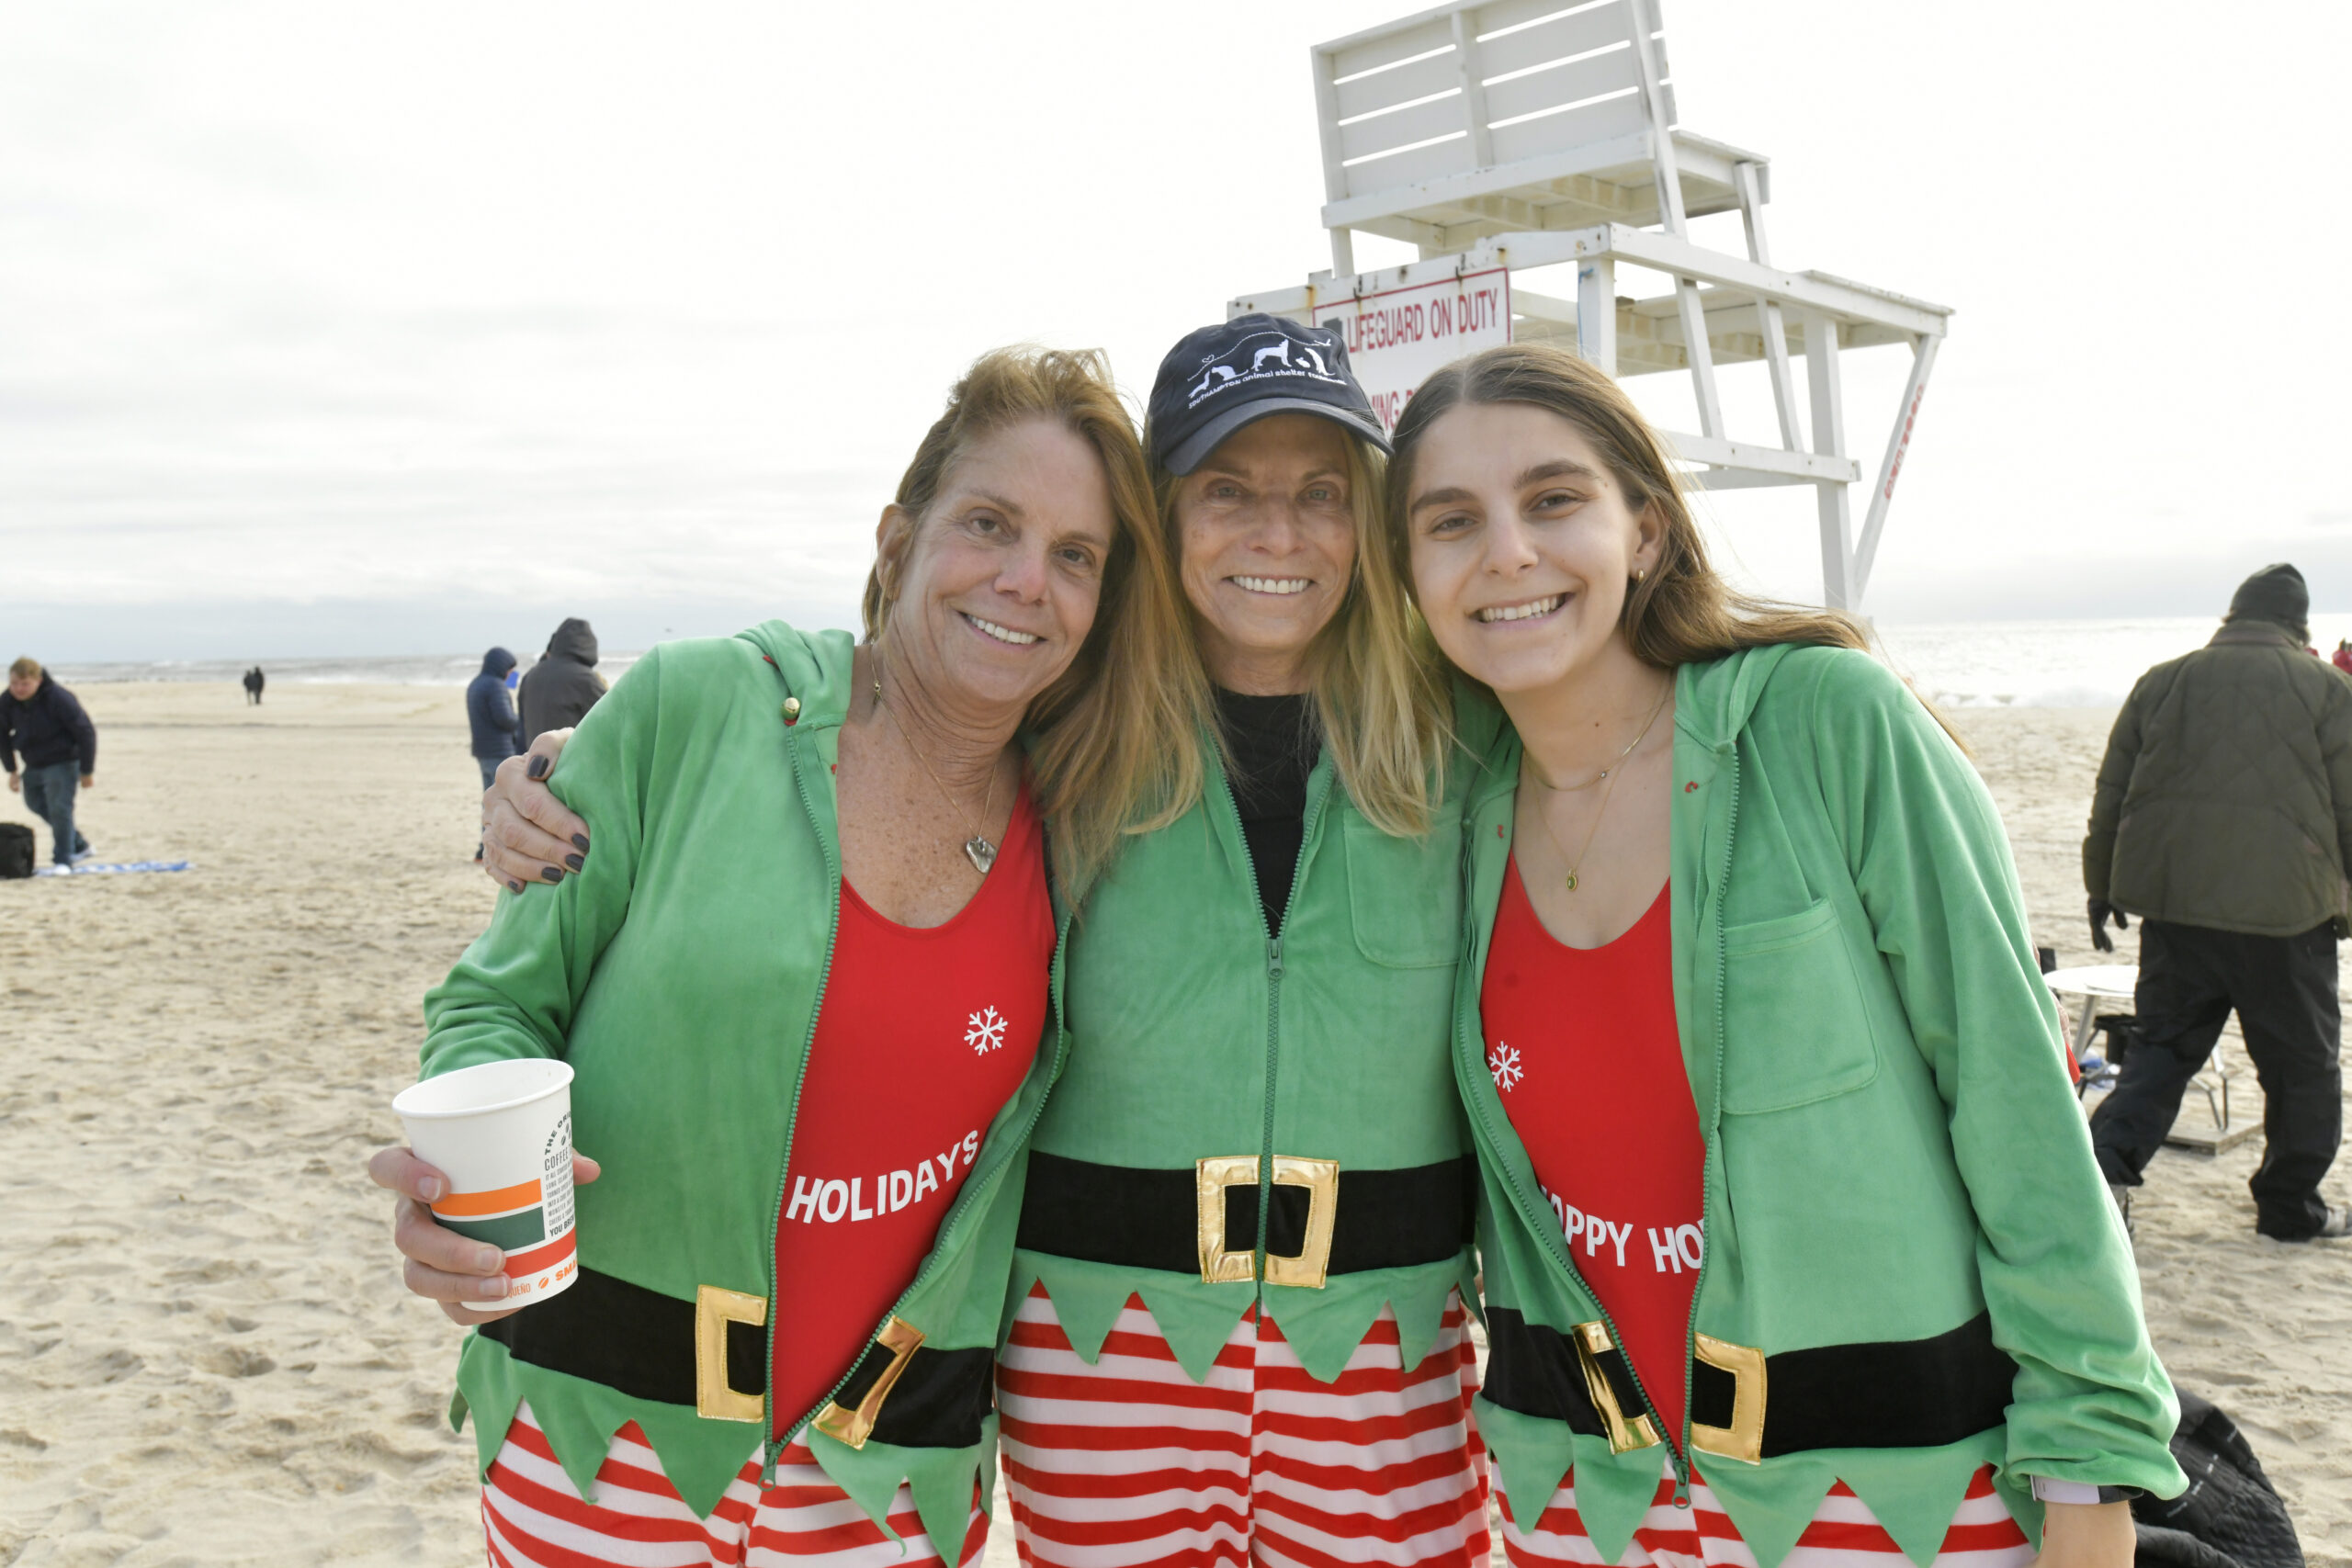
{"x":1793,"y":1241}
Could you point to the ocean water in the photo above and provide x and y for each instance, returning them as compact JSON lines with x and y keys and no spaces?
{"x":1960,"y":664}
{"x":2088,"y":664}
{"x":397,"y":670}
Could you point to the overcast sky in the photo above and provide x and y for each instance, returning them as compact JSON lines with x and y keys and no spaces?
{"x":338,"y":329}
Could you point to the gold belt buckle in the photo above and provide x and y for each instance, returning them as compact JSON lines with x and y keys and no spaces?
{"x":716,"y":1399}
{"x":853,"y":1427}
{"x":1220,"y":1265}
{"x":1744,"y":1438}
{"x":1592,"y":1342}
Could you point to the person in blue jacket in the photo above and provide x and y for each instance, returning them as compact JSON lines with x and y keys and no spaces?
{"x":490,"y":713}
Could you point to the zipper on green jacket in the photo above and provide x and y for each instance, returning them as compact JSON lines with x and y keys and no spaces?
{"x":994,"y":1154}
{"x":792,"y":1112}
{"x":1315,"y":799}
{"x":1713,"y":1127}
{"x":1548,"y":1230}
{"x":1547,"y":1227}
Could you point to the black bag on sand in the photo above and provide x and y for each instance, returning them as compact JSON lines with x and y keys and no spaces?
{"x":2229,"y":1517}
{"x":16,"y":850}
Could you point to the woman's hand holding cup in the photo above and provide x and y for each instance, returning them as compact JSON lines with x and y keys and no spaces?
{"x":486,"y":1212}
{"x":442,"y":1266}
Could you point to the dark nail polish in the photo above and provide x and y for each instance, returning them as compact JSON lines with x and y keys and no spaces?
{"x":574,"y":862}
{"x":539,"y":767}
{"x":549,"y":874}
{"x":516,"y":884}
{"x":579,"y":843}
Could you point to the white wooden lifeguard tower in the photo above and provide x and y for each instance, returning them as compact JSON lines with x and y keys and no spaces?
{"x":1507,"y":135}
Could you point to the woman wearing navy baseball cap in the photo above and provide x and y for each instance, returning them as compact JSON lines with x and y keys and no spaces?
{"x":1245,"y":1242}
{"x":1237,"y":1327}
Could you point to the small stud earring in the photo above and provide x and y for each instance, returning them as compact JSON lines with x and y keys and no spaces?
{"x":1640,"y":573}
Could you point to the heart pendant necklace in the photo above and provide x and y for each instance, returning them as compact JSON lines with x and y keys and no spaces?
{"x":977,"y":848}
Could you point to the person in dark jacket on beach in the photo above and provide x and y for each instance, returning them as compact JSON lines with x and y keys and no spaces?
{"x":497,"y":728}
{"x":490,"y":713}
{"x":47,"y":724}
{"x":2223,"y":819}
{"x":563,"y":685}
{"x":254,"y":681}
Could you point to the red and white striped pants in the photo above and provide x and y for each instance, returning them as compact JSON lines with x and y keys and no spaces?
{"x":1129,"y":1461}
{"x":1844,"y":1534}
{"x":534,"y":1517}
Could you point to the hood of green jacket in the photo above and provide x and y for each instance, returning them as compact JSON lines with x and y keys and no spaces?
{"x":681,"y":973}
{"x":1893,"y":1149}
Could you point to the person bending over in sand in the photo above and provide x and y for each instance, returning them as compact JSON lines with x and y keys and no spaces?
{"x":47,"y":726}
{"x":807,"y":984}
{"x":1787,"y":1199}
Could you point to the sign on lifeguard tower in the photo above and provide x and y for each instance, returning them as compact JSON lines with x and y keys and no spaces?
{"x":1398,"y":337}
{"x":1497,"y":136}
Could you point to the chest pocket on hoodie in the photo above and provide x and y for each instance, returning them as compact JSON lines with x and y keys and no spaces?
{"x":1405,"y":895}
{"x":1796,"y":1031}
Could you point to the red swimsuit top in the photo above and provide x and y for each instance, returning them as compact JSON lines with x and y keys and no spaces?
{"x":924,"y":1034}
{"x":1583,"y":1046}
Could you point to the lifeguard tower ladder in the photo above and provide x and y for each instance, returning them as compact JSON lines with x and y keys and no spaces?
{"x":1534,"y":133}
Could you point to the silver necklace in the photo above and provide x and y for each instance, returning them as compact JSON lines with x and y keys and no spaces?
{"x":1528,"y":759}
{"x":978,"y":848}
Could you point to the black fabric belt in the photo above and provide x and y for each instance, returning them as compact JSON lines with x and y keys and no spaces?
{"x":641,"y":1343}
{"x":1896,"y":1394}
{"x":1138,"y":1218}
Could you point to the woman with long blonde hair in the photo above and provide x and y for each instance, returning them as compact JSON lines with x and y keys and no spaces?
{"x":1244,"y":1247}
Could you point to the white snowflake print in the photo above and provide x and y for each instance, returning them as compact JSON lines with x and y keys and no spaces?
{"x":985,"y":1031}
{"x":1503,"y":1062}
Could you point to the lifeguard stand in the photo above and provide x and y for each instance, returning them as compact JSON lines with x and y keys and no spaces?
{"x":1531,"y":133}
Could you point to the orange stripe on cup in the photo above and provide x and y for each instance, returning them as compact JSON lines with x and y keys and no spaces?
{"x":458,"y":1205}
{"x":521,"y":1263}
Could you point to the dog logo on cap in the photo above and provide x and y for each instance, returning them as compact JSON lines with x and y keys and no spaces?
{"x":1258,"y":356}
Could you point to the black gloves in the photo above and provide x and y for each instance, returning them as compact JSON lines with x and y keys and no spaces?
{"x":2101,"y":912}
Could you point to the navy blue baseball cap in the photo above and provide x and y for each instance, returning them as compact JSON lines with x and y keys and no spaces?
{"x":1221,"y":377}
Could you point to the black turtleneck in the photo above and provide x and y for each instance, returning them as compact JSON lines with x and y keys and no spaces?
{"x":1275,"y":743}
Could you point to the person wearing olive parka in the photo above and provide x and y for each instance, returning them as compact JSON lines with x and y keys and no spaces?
{"x":1238,"y":1330}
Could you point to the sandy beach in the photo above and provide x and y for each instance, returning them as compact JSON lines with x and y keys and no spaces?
{"x":205,"y":1355}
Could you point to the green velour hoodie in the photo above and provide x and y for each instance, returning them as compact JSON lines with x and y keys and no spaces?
{"x":1892,"y":1147}
{"x":1196,"y":1033}
{"x":681,"y":974}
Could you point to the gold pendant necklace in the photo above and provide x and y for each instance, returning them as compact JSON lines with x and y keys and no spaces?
{"x":1527,"y":759}
{"x":978,"y":849}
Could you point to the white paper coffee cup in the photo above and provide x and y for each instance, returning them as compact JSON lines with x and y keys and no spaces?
{"x":502,"y":1133}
